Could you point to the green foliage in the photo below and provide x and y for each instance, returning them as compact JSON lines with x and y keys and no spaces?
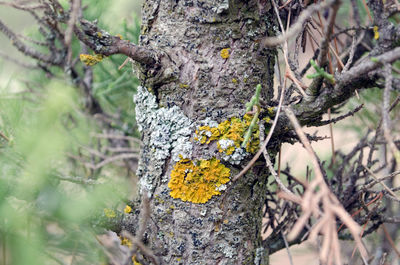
{"x":320,"y":73}
{"x":255,"y":101}
{"x":42,"y":216}
{"x":45,"y":219}
{"x":113,"y":88}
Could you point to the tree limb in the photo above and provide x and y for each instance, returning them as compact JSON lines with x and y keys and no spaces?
{"x":106,"y":44}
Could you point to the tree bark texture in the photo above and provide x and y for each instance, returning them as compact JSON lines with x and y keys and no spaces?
{"x":210,"y":63}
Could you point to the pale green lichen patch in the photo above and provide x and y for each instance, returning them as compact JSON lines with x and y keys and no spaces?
{"x":169,"y":131}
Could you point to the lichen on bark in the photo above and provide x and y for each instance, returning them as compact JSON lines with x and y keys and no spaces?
{"x":190,"y":36}
{"x":169,"y":132}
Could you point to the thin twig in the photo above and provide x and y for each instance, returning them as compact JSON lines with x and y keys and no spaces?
{"x":377,"y":179}
{"x":277,"y":179}
{"x":4,"y":136}
{"x":341,"y":117}
{"x":332,"y":138}
{"x":116,"y":136}
{"x":297,"y":27}
{"x":73,"y":16}
{"x":390,"y":240}
{"x":287,"y":249}
{"x":143,"y":248}
{"x":17,"y":43}
{"x":331,"y":206}
{"x":385,"y":111}
{"x":145,"y":212}
{"x":78,"y":180}
{"x":13,"y":60}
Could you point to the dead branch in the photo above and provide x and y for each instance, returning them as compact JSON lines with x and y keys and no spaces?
{"x":297,"y":27}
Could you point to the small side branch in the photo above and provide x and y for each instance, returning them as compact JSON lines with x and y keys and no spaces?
{"x":102,"y":42}
{"x":341,"y":117}
{"x":51,"y":59}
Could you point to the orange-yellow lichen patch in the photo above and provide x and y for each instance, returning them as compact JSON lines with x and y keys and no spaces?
{"x":126,"y":242}
{"x":197,"y":182}
{"x":225,"y":53}
{"x":127,"y":209}
{"x":376,"y":32}
{"x":206,"y":134}
{"x":234,"y":130}
{"x":134,"y":260}
{"x":91,"y":60}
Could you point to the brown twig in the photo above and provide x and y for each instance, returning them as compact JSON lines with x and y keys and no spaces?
{"x":104,"y":43}
{"x":330,"y":207}
{"x":137,"y":240}
{"x":297,"y":27}
{"x":385,"y":111}
{"x":341,"y":117}
{"x":73,"y":16}
{"x":116,"y":136}
{"x":143,"y":248}
{"x":277,"y":179}
{"x":17,"y":43}
{"x":390,"y":240}
{"x":378,"y":180}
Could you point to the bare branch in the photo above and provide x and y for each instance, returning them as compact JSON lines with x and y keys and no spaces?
{"x":54,"y":59}
{"x":312,"y":200}
{"x":22,"y":64}
{"x":298,"y":26}
{"x":385,"y":111}
{"x":104,"y":43}
{"x":341,"y":117}
{"x":73,"y":16}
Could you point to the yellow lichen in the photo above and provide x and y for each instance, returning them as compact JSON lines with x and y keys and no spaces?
{"x":126,"y":242}
{"x":206,"y":134}
{"x":376,"y":32}
{"x":127,"y":209}
{"x":119,"y":36}
{"x":225,"y":53}
{"x":267,"y":119}
{"x":134,"y":260}
{"x":91,"y":60}
{"x":234,"y":130}
{"x":110,"y":213}
{"x":197,"y":182}
{"x":234,"y":80}
{"x":99,"y":34}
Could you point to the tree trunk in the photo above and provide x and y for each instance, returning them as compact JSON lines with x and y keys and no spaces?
{"x":212,"y":63}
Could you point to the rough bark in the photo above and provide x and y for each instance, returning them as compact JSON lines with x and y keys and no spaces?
{"x":195,"y":86}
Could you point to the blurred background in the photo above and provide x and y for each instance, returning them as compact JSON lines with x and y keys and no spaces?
{"x":63,"y":170}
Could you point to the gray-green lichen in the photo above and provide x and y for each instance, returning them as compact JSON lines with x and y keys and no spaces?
{"x":260,"y":258}
{"x":236,"y":157}
{"x":169,"y":131}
